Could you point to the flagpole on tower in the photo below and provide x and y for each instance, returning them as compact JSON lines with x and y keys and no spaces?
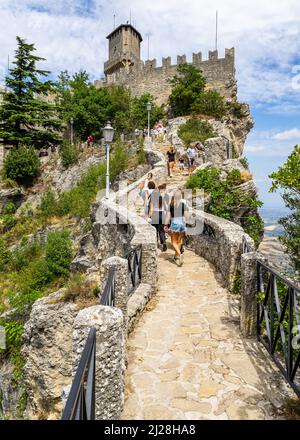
{"x":216,"y":30}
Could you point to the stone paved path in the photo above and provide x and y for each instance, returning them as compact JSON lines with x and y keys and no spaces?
{"x":186,"y":357}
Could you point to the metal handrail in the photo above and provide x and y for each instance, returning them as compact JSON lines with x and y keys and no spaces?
{"x":277,"y":315}
{"x":134,"y":258}
{"x":80,"y":404}
{"x":208,"y":230}
{"x":245,"y":246}
{"x":108,"y":296}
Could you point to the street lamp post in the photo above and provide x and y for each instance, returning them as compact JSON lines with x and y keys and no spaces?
{"x":71,"y":124}
{"x":108,"y":135}
{"x":149,"y":107}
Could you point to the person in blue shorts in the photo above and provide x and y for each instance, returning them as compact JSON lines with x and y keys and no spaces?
{"x":175,"y":224}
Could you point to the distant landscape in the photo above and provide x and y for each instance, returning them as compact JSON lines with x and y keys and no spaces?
{"x":271,"y":217}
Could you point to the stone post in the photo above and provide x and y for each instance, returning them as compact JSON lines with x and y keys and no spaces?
{"x":149,"y":261}
{"x":249,"y":293}
{"x":121,"y":283}
{"x":110,"y":357}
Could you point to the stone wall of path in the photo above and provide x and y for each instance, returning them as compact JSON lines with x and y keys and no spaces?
{"x":105,"y":241}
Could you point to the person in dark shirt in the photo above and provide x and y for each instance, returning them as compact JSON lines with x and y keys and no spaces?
{"x":176,"y":224}
{"x":159,"y":203}
{"x":171,"y":158}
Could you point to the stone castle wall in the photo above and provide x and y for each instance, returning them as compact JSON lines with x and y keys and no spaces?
{"x":146,"y":77}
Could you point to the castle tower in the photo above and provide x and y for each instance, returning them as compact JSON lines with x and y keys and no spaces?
{"x":124,"y":48}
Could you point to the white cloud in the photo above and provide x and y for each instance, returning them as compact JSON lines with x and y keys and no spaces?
{"x":254,"y":148}
{"x":288,"y":135}
{"x":71,"y":34}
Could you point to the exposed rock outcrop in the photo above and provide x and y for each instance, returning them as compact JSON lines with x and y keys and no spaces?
{"x":47,"y":350}
{"x":11,"y":195}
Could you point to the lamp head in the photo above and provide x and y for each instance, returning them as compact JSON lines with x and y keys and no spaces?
{"x":108,"y":133}
{"x":149,"y":106}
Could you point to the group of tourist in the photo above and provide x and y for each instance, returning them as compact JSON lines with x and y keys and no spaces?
{"x":167,"y":213}
{"x":185,"y":160}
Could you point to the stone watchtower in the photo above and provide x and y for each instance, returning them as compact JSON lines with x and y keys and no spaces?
{"x":125,"y":68}
{"x":124,"y":49}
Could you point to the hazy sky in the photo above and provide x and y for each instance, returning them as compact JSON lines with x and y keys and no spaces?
{"x":70,"y":34}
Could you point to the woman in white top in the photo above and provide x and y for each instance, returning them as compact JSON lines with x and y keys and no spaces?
{"x":144,"y":185}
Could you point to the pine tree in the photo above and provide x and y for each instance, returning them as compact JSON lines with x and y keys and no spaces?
{"x":26,"y":117}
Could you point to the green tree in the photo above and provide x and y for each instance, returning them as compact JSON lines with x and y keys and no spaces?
{"x":139,"y":113}
{"x":22,"y":165}
{"x":210,"y":102}
{"x":186,"y":88}
{"x":287,"y":178}
{"x":195,"y":130}
{"x":92,"y":107}
{"x":27,"y":118}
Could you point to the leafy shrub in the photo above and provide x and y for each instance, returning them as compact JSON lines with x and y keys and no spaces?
{"x":224,"y":200}
{"x":141,"y":156}
{"x":48,"y":205}
{"x":234,"y":178}
{"x":69,"y":154}
{"x":236,"y":108}
{"x":211,"y":103}
{"x":8,"y":222}
{"x":254,"y":226}
{"x":196,"y":130}
{"x":13,"y":332}
{"x":22,"y":165}
{"x":22,"y":256}
{"x":5,"y":254}
{"x":59,"y":253}
{"x":9,"y":208}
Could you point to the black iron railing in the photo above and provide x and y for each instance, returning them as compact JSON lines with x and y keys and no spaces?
{"x":81,"y":401}
{"x":134,"y":258}
{"x":278,"y":321}
{"x":208,"y":231}
{"x":108,"y":295}
{"x":245,"y":246}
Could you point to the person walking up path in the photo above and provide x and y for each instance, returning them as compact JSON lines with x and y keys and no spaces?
{"x":158,"y":206}
{"x":171,"y":158}
{"x":176,"y":224}
{"x":191,"y":152}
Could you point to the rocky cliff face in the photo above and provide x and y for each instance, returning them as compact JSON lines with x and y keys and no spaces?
{"x":232,"y":128}
{"x":47,"y":350}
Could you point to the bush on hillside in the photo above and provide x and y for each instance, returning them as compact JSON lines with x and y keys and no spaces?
{"x":196,"y":130}
{"x":22,"y":165}
{"x":211,"y":103}
{"x":225,"y":199}
{"x":69,"y":154}
{"x":59,"y":253}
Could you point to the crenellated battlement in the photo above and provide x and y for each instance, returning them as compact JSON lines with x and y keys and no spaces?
{"x":151,"y":77}
{"x":166,"y":62}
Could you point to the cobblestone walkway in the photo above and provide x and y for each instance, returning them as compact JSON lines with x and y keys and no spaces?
{"x":186,"y":357}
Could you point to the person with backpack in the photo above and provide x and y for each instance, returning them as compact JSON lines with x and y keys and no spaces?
{"x":158,"y":206}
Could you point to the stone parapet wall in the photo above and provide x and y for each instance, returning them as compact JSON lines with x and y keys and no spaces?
{"x":223,"y":247}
